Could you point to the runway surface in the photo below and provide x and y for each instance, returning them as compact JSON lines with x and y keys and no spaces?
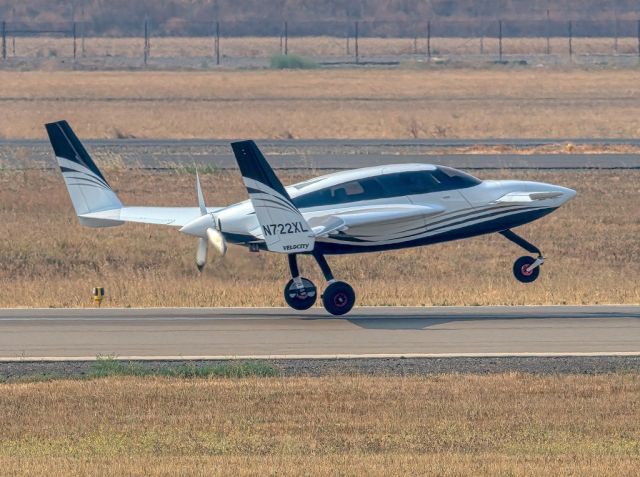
{"x":283,"y":333}
{"x":323,"y":154}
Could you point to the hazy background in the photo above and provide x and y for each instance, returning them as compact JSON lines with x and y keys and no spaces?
{"x":254,"y":17}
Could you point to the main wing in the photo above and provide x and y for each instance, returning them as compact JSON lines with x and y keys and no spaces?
{"x":95,"y":202}
{"x":379,"y":215}
{"x":173,"y":216}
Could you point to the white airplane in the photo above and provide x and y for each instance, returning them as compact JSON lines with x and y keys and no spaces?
{"x":362,"y":210}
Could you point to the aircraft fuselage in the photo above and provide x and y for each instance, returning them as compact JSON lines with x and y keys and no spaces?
{"x":475,"y":208}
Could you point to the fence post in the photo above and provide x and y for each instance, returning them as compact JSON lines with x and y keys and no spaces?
{"x":146,"y":41}
{"x":83,"y":25}
{"x":500,"y":39}
{"x":356,"y":45}
{"x":429,"y":40}
{"x":481,"y":44}
{"x":217,"y":43}
{"x":286,"y":38}
{"x":4,"y":40}
{"x":75,"y":38}
{"x":570,"y":39}
{"x":548,"y":33}
{"x":415,"y":45}
{"x":82,"y":37}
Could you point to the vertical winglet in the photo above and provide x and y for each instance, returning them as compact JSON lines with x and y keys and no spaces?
{"x":66,"y":145}
{"x":254,"y":166}
{"x":284,"y":228}
{"x":88,"y":189}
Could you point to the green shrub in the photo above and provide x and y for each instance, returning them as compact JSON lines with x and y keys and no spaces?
{"x":283,"y":62}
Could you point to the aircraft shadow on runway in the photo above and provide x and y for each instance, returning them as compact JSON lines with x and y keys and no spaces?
{"x":422,"y":322}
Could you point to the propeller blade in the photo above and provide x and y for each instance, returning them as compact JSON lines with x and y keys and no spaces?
{"x":201,"y":255}
{"x":217,"y":240}
{"x":214,"y":236}
{"x":203,"y":208}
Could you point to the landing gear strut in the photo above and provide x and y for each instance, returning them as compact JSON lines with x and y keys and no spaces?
{"x":300,"y":293}
{"x":526,"y":269}
{"x":339,"y":297}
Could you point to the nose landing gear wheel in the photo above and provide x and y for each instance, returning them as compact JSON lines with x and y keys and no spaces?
{"x":300,"y":299}
{"x":521,"y":270}
{"x":338,"y":298}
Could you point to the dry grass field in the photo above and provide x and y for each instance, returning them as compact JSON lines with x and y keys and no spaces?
{"x":446,"y":425}
{"x":343,"y":103}
{"x":314,"y":47}
{"x":47,"y":259}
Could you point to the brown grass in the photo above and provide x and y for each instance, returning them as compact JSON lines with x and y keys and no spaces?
{"x":47,"y":259}
{"x":251,"y":47}
{"x":401,"y":103}
{"x":507,"y":424}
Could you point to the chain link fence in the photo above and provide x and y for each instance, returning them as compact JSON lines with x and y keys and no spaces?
{"x":208,"y":44}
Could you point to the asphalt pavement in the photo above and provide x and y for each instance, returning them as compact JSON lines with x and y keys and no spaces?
{"x":325,"y":154}
{"x":281,"y":333}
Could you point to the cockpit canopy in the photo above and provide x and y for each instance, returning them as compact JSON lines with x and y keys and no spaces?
{"x":384,"y":185}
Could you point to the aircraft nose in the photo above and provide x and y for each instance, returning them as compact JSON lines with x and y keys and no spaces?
{"x":567,"y":194}
{"x":525,"y":192}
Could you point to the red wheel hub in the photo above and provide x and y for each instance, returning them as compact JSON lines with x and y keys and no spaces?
{"x":525,"y":270}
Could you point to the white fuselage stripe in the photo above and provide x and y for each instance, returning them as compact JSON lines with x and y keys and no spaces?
{"x":470,"y":221}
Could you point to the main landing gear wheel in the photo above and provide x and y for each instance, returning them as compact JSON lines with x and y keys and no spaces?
{"x":300,"y":298}
{"x":522,"y":272}
{"x":338,"y":298}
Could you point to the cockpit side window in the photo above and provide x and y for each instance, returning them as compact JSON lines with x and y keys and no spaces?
{"x":410,"y":183}
{"x":455,"y":179}
{"x":388,"y":185}
{"x":400,"y":184}
{"x":352,"y":191}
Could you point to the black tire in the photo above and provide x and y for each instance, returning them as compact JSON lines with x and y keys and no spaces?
{"x":520,"y":270}
{"x":300,"y":299}
{"x":339,"y":298}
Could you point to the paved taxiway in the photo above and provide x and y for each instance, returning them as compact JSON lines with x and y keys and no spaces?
{"x":324,"y":154}
{"x":278,"y":332}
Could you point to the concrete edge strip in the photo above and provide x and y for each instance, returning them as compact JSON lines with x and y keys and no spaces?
{"x":587,"y":354}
